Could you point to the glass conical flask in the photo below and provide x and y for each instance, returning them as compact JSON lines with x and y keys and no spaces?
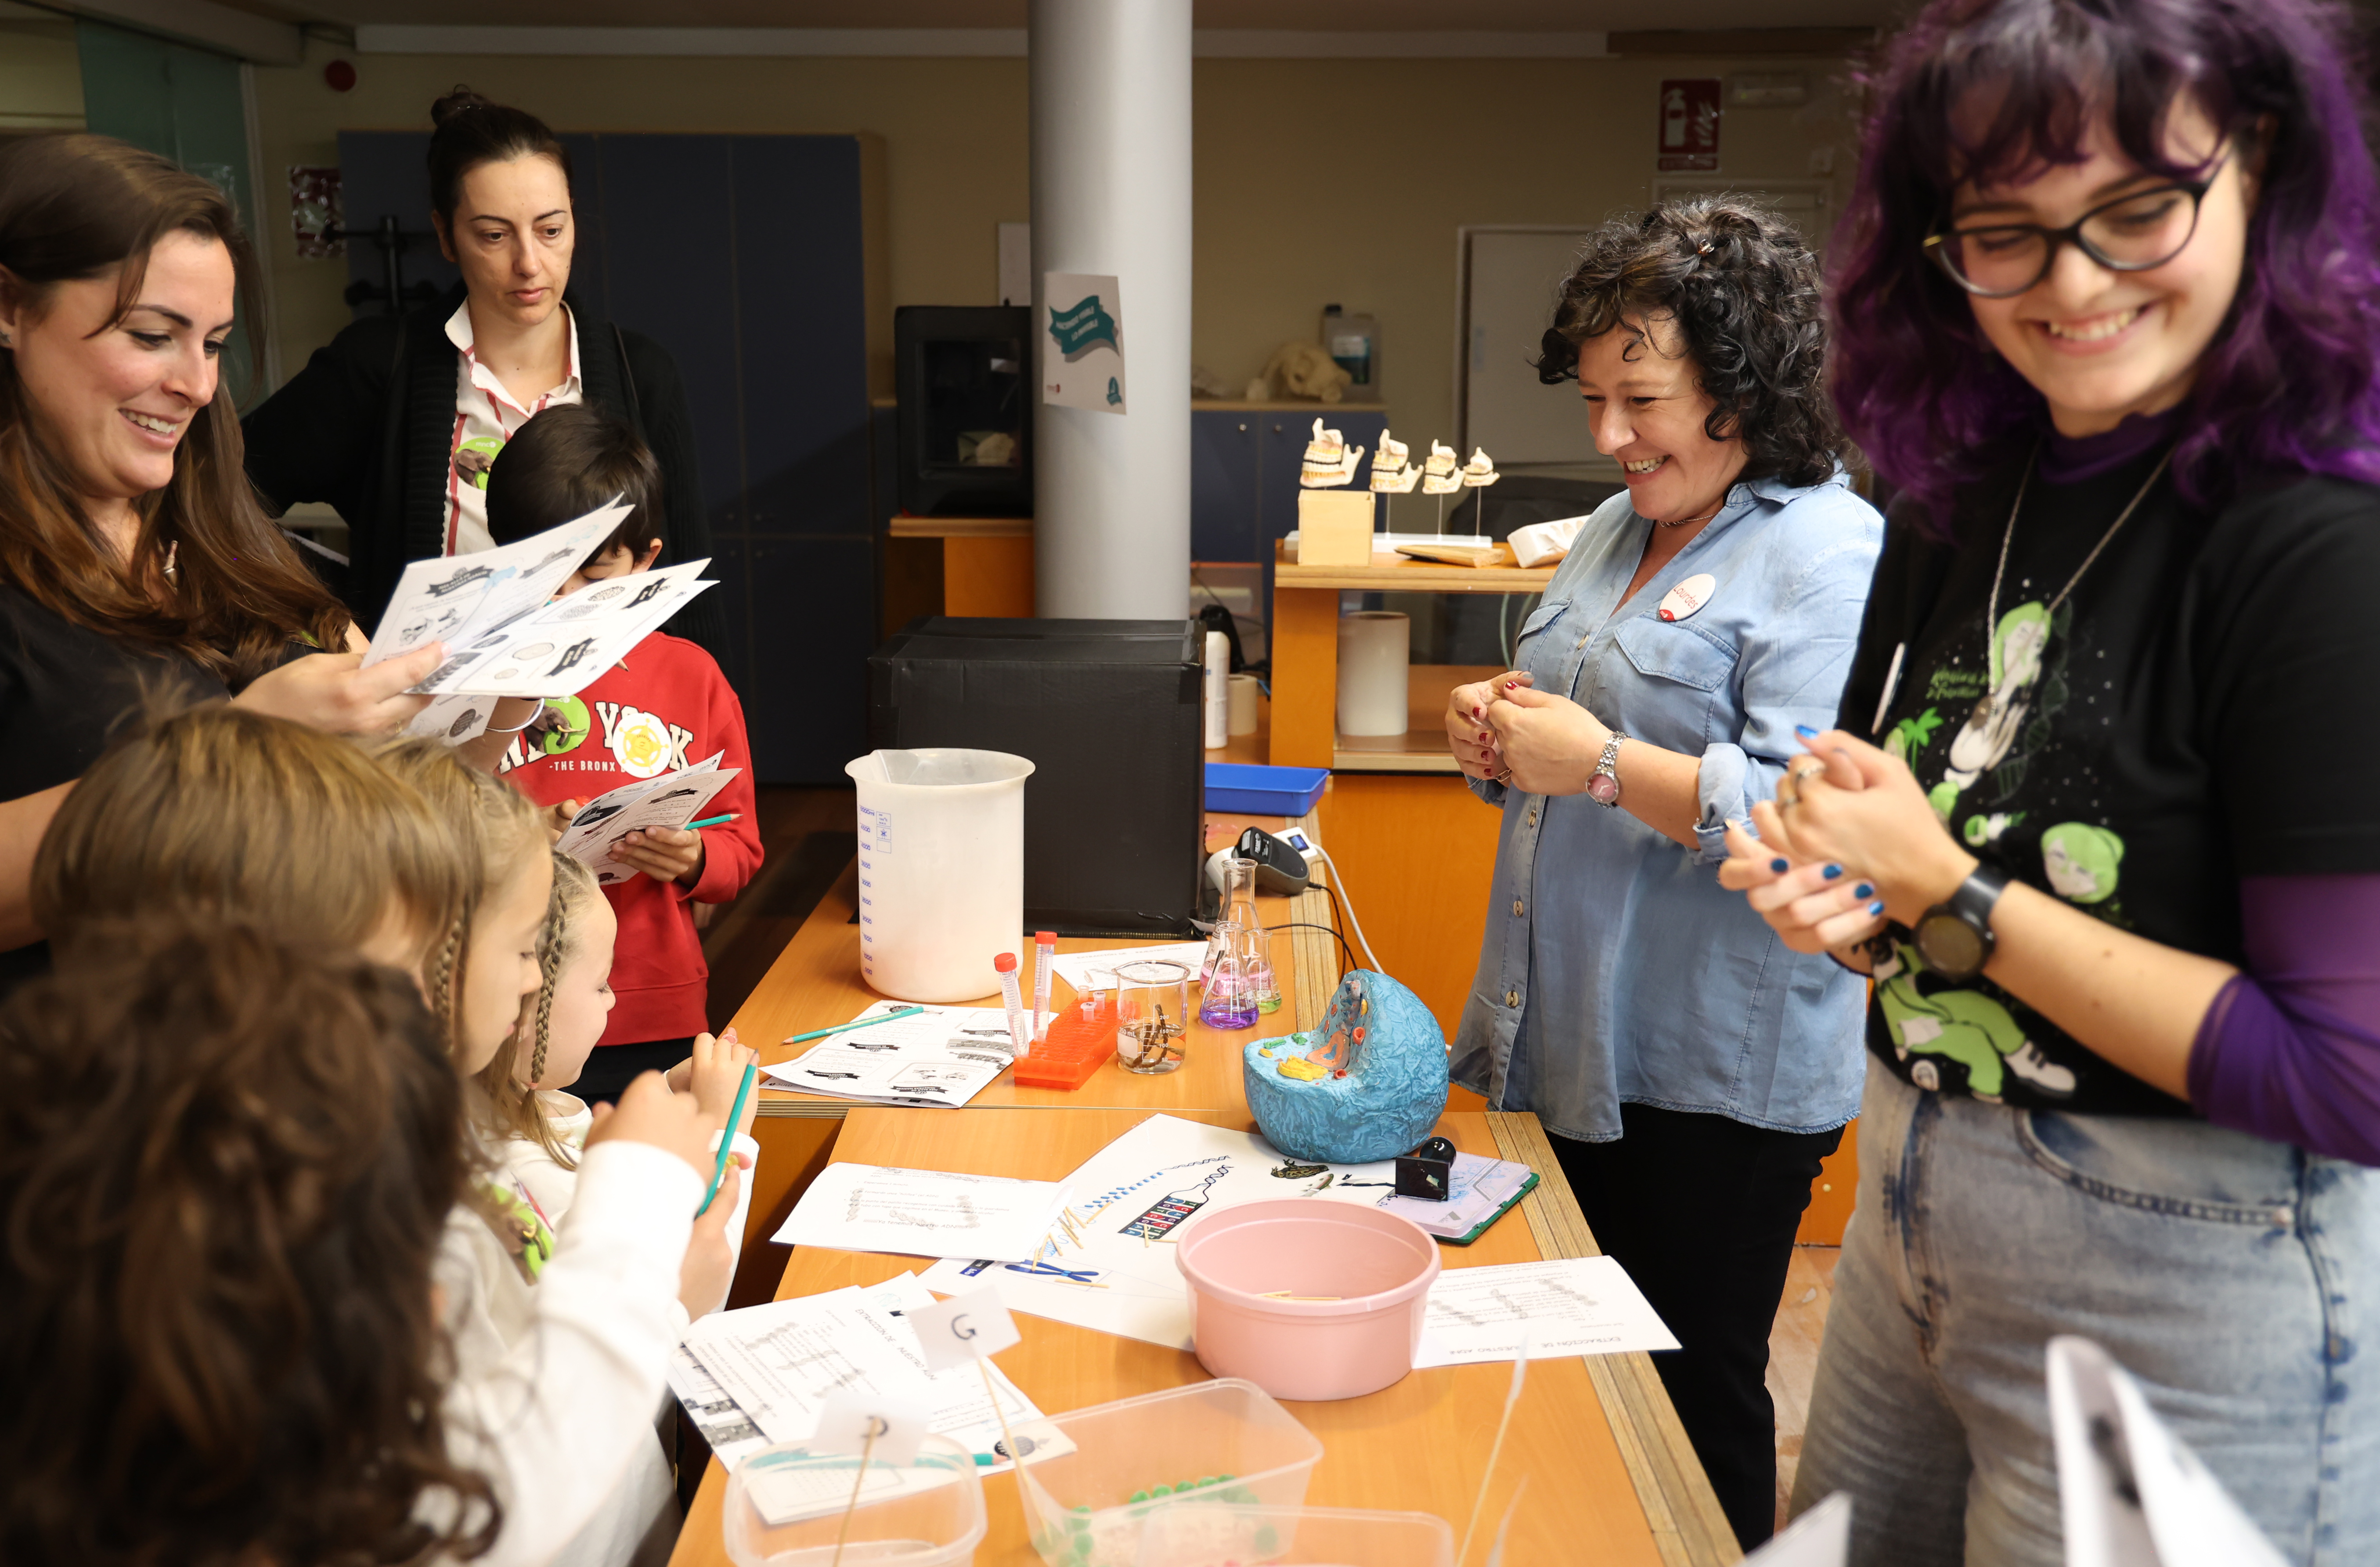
{"x":1229,"y":999}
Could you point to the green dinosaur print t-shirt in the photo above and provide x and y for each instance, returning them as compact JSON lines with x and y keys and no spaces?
{"x":2132,"y":750}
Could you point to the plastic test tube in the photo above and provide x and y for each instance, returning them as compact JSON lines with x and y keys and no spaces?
{"x":1018,"y":1035}
{"x":1045,"y":960}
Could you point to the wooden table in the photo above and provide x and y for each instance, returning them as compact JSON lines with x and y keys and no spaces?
{"x":1620,"y":1491}
{"x":1613,"y":1479}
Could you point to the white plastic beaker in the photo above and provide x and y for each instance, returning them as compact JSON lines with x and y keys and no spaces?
{"x":941,"y":869}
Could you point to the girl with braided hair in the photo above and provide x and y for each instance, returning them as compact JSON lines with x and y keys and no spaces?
{"x":219,"y":815}
{"x":544,"y":1126}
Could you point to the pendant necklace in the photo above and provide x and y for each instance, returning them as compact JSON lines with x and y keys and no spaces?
{"x":1992,"y":605}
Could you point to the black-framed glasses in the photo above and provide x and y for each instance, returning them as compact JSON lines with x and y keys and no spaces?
{"x":2131,"y":232}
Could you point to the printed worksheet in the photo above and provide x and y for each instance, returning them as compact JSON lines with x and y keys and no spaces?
{"x":452,"y":720}
{"x":2130,"y":1492}
{"x":1572,"y":1306}
{"x":670,"y":800}
{"x":1108,"y":1262}
{"x":712,"y":1409}
{"x":769,"y":1369}
{"x":564,"y":645}
{"x":942,"y":1055}
{"x":922,"y":1213}
{"x":460,"y":599}
{"x":506,"y":634}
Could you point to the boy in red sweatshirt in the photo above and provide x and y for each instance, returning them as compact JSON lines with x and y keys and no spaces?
{"x":664,"y":707}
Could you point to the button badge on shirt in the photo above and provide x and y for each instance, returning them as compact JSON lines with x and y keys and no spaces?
{"x":1687,"y":597}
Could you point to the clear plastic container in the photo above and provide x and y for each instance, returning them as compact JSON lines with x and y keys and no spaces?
{"x":1293,"y":1537}
{"x":1224,"y":1441}
{"x":928,"y":1513}
{"x":941,"y":869}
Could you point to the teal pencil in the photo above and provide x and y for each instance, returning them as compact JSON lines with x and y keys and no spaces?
{"x":714,"y":821}
{"x":728,"y":1136}
{"x":847,"y":1028}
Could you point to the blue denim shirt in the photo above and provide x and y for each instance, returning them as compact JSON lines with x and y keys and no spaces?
{"x":1615,"y":967}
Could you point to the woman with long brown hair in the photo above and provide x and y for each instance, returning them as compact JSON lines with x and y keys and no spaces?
{"x":133,"y":555}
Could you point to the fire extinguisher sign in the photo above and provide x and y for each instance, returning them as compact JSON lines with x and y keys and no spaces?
{"x":1688,"y":136}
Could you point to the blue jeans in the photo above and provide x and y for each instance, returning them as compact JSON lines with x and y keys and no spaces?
{"x":2230,"y":1275}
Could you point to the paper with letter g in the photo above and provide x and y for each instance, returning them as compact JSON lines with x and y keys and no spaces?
{"x":969,"y":1327}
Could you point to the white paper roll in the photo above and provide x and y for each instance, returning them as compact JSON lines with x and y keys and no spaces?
{"x":1217,"y":691}
{"x":1374,"y":646}
{"x":1244,"y":704}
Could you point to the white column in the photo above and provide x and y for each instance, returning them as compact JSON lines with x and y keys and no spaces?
{"x":1111,"y":195}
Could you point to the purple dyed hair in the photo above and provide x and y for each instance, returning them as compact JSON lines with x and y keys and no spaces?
{"x":2291,"y":381}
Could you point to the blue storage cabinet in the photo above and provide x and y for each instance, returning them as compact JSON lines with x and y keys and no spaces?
{"x":1243,"y":467}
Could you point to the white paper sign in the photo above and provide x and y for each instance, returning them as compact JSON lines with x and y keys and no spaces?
{"x":964,"y":1328}
{"x":849,"y":1422}
{"x":2130,"y":1493}
{"x":1820,"y":1537}
{"x":1082,"y":342}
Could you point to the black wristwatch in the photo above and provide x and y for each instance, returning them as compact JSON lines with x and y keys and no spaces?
{"x":1955,"y":938}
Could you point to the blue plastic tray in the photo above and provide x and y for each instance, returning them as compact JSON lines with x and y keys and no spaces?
{"x":1264,"y":791}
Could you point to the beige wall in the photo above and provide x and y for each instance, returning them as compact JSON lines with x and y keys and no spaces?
{"x":1315,"y":180}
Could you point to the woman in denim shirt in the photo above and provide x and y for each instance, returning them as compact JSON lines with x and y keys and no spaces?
{"x":1692,"y":1071}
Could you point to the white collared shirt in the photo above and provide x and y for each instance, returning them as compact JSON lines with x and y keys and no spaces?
{"x":486,"y":416}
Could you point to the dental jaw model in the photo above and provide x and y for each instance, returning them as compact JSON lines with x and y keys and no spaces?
{"x":1441,"y":475}
{"x":1393,"y":469}
{"x":1330,"y":461}
{"x":1477,"y":474}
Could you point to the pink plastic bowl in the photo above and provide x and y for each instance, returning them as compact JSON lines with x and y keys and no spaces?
{"x":1239,"y":1260}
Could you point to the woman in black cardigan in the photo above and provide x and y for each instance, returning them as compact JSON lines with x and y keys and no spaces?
{"x":396,"y":422}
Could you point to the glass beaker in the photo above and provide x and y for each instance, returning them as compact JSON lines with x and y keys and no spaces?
{"x":1229,"y":997}
{"x":1152,"y":1001}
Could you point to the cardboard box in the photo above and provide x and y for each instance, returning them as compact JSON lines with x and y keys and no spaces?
{"x":1334,"y":527}
{"x":1108,"y":711}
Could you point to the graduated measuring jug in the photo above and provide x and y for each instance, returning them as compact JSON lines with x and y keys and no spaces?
{"x":941,"y":869}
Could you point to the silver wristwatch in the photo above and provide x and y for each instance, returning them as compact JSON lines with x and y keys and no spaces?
{"x":1603,"y":784}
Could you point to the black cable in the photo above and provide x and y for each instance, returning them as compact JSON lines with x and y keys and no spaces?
{"x":1338,"y":912}
{"x":1347,"y":962}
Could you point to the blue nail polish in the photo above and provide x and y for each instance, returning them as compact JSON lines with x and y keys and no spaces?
{"x":1805,"y":731}
{"x":1781,"y":865}
{"x":1864,"y":890}
{"x":1876,"y":908}
{"x":1832,"y":872}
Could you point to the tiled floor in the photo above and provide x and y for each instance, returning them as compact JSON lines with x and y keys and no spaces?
{"x":1793,"y":1356}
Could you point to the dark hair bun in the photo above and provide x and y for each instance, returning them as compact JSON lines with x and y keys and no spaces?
{"x":472,"y":131}
{"x":455,"y":103}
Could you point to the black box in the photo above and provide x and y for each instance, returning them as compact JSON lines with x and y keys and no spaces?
{"x":1108,"y":713}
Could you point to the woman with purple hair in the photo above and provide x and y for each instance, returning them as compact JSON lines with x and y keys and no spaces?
{"x":2099,"y":816}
